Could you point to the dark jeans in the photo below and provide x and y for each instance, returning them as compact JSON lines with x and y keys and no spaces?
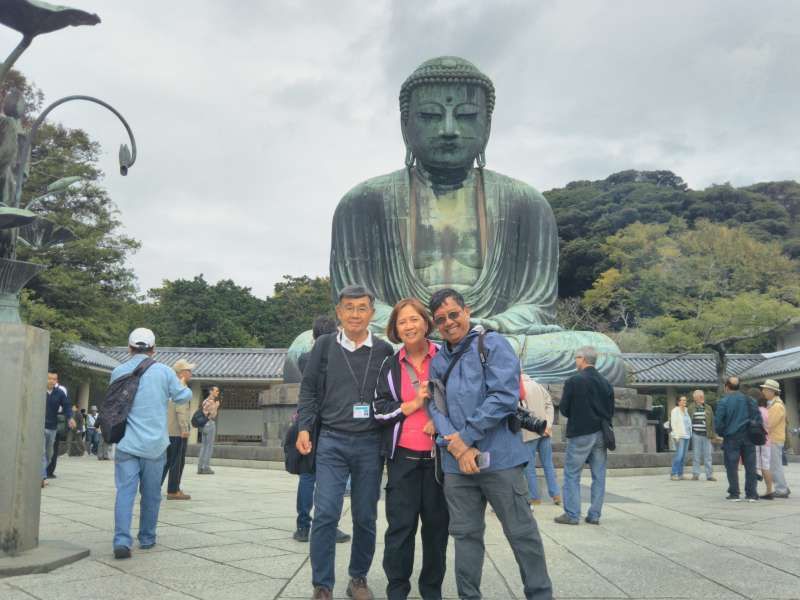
{"x":340,"y":455}
{"x":176,"y":459}
{"x":507,"y":493}
{"x":305,"y":499}
{"x":412,"y":495}
{"x":739,"y":446}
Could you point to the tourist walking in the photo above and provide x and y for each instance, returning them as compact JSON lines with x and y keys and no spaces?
{"x":763,"y":453}
{"x":55,"y":400}
{"x":92,"y":434}
{"x":703,"y":435}
{"x":140,"y":455}
{"x":537,"y":400}
{"x":413,"y":496}
{"x":776,"y":431}
{"x":336,"y":400}
{"x":75,"y":444}
{"x":680,"y":428}
{"x":306,"y":481}
{"x":209,"y":430}
{"x":587,"y":401}
{"x":734,"y":413}
{"x":178,"y":428}
{"x":485,"y":459}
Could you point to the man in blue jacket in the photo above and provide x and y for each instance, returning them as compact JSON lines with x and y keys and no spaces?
{"x":485,"y":460}
{"x":734,"y":413}
{"x":141,"y":454}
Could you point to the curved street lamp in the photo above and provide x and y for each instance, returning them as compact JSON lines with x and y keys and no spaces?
{"x":126,"y":156}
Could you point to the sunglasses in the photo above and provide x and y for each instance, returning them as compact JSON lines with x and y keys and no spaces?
{"x":439,"y":321}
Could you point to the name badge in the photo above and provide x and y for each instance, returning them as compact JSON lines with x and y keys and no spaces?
{"x":361,"y":411}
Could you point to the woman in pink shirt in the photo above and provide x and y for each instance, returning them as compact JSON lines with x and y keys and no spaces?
{"x":412,"y":493}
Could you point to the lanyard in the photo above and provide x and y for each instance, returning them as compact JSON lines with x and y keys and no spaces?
{"x":353,"y":374}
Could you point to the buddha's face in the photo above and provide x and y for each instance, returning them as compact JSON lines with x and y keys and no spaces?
{"x":448,"y":124}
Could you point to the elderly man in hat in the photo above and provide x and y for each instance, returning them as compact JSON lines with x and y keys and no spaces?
{"x":178,"y":427}
{"x":776,"y":433}
{"x":141,"y":453}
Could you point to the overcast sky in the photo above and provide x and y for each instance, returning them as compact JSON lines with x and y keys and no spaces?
{"x":254,"y":117}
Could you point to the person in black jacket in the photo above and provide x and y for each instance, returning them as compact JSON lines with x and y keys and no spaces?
{"x":412,"y":492}
{"x":336,"y":397}
{"x":586,"y":401}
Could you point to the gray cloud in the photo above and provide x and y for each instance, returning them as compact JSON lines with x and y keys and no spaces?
{"x":254,"y":118}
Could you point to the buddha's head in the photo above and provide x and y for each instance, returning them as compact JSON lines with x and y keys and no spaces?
{"x":446,"y":113}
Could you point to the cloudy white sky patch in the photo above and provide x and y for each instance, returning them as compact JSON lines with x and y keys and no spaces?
{"x":254,"y":117}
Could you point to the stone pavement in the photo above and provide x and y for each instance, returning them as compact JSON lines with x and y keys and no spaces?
{"x":658,"y":539}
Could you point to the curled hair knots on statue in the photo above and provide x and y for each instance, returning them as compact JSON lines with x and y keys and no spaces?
{"x":446,"y":70}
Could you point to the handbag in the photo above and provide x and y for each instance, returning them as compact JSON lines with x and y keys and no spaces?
{"x":755,"y":427}
{"x":294,"y":462}
{"x":199,"y":419}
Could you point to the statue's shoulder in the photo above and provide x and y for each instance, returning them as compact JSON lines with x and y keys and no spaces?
{"x":513,"y":188}
{"x":375,"y":189}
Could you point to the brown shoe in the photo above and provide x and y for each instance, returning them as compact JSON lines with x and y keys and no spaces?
{"x":534,"y":502}
{"x":358,"y":589}
{"x":179,"y":495}
{"x":557,"y":500}
{"x":321,"y":593}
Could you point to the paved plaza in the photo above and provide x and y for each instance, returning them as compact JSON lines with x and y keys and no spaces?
{"x":658,"y":539}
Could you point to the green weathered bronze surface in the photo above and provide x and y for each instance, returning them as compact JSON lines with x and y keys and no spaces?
{"x":446,"y":221}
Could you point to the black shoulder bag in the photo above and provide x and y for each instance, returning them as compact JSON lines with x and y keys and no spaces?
{"x":294,"y":462}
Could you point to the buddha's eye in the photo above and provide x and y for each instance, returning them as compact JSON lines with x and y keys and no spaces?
{"x":429,"y":117}
{"x":467,"y":111}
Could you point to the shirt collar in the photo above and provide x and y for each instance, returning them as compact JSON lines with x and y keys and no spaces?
{"x":432,"y":348}
{"x":348,"y":344}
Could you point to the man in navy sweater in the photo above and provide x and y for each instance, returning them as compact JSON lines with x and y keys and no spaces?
{"x":56,"y":398}
{"x":336,"y":395}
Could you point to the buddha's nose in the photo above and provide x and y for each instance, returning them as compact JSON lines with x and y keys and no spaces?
{"x":450,"y":127}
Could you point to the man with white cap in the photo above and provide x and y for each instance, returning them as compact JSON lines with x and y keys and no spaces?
{"x":140,"y":455}
{"x":776,"y":432}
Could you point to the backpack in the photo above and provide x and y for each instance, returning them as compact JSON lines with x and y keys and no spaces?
{"x":199,"y":419}
{"x":118,"y":401}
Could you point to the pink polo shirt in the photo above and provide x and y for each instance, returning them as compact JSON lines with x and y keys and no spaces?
{"x":412,"y":437}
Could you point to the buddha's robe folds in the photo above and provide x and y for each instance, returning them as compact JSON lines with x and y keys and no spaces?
{"x":374,"y":243}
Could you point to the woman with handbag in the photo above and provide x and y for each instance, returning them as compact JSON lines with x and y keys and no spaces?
{"x":680,"y":425}
{"x":412,"y":492}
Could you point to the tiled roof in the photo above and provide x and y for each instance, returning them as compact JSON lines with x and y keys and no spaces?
{"x":776,"y":364}
{"x":92,"y":357}
{"x":655,"y":369}
{"x":221,"y":363}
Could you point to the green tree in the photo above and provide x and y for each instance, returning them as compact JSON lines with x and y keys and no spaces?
{"x":297,"y":301}
{"x":587,"y":212}
{"x":193,"y":313}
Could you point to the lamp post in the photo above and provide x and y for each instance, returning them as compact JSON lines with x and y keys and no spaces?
{"x":126,"y":156}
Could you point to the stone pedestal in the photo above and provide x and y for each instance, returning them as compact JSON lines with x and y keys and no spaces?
{"x":23,"y":373}
{"x":278,"y":405}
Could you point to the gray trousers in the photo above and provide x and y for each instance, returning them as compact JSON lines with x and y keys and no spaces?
{"x":701,"y":455}
{"x":776,"y":468}
{"x":49,"y":448}
{"x":207,"y":448}
{"x":507,"y":493}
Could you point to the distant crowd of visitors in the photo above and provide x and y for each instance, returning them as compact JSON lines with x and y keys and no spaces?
{"x":455,"y":425}
{"x":753,"y":434}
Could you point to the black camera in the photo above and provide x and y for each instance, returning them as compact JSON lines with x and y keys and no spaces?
{"x":523,"y":419}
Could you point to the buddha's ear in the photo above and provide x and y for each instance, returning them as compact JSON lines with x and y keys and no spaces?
{"x":409,"y":154}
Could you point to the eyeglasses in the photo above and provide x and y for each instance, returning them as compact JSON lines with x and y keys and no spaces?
{"x":439,"y":321}
{"x":361,"y":309}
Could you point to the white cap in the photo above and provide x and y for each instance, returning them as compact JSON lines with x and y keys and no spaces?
{"x":141,"y":338}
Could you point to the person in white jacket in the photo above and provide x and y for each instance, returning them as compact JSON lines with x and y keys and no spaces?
{"x":680,"y":426}
{"x":537,"y":400}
